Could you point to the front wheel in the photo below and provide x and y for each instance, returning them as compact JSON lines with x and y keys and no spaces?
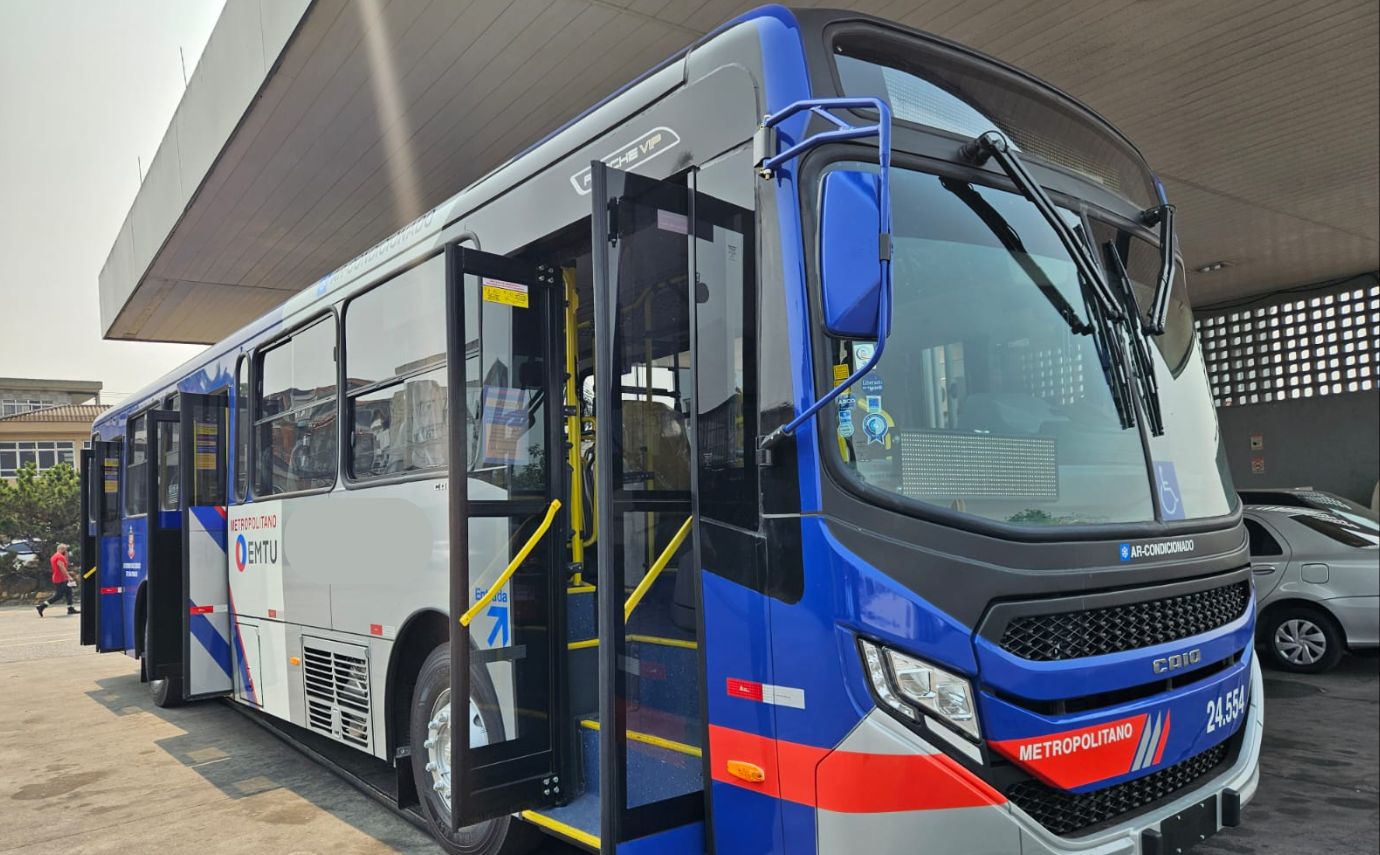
{"x":433,"y":722}
{"x":166,"y":691}
{"x":1302,"y":639}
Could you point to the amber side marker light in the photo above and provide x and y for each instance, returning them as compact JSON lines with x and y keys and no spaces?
{"x":750,"y":772}
{"x":294,"y":660}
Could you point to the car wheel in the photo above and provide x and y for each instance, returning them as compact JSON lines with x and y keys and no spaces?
{"x":1302,"y":639}
{"x":432,"y":724}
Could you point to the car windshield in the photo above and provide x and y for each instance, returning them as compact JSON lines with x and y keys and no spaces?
{"x":986,"y":400}
{"x":21,"y":548}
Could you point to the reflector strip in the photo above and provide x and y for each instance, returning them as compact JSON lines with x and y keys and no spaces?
{"x":766,"y":693}
{"x":206,"y":610}
{"x":112,"y":590}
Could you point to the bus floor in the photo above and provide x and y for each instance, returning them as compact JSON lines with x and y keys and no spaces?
{"x":89,"y":765}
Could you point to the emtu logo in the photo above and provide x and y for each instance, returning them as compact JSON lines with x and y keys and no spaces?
{"x":241,"y":553}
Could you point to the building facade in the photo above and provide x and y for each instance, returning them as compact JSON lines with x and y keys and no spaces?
{"x":45,"y":422}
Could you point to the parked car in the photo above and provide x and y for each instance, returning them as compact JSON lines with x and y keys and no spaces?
{"x":24,"y":553}
{"x":1316,"y":561}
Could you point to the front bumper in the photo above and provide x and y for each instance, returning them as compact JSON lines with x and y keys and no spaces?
{"x":1001,"y":827}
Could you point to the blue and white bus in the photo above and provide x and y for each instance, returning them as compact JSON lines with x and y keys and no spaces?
{"x":806,"y":447}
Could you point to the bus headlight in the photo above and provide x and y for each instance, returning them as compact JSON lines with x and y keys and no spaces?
{"x":910,"y":686}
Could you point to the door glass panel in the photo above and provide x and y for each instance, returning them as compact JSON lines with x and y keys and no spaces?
{"x":505,"y":399}
{"x":169,"y":466}
{"x":645,"y":553}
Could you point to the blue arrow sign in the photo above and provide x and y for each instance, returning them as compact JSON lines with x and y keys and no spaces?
{"x":500,"y":616}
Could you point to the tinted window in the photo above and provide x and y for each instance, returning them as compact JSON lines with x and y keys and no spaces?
{"x":395,"y":343}
{"x":136,"y":470}
{"x":1337,"y":529}
{"x":110,"y":484}
{"x":295,"y":431}
{"x":1263,"y":543}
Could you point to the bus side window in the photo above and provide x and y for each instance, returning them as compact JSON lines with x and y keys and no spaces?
{"x":136,"y":468}
{"x":295,"y":431}
{"x":395,"y":344}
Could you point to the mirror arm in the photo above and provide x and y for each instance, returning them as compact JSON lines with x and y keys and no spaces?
{"x":765,"y":142}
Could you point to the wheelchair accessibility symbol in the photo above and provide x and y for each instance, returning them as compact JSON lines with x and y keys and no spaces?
{"x":1167,"y":490}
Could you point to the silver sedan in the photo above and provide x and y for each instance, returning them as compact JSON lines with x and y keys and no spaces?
{"x":1317,"y":582}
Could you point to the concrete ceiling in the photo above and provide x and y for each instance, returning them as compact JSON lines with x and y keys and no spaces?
{"x":1262,"y":116}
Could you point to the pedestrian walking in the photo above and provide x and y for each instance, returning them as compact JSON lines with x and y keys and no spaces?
{"x":64,"y":577}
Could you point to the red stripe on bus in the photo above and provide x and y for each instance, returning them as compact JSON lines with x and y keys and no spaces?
{"x":847,"y":781}
{"x":744,"y":689}
{"x":111,"y":590}
{"x":202,"y":610}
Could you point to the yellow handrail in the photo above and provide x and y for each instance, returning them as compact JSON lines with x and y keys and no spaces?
{"x":655,"y":570}
{"x":572,"y":425}
{"x":512,"y":565}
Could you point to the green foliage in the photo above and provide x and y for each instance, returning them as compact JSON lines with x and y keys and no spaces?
{"x":44,"y":509}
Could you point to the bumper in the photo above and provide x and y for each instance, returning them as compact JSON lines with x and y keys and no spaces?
{"x":998,"y":826}
{"x":1360,"y":619}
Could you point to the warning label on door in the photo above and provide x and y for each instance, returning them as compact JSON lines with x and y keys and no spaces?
{"x":505,"y":293}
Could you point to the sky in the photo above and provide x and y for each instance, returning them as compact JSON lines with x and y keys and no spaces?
{"x":87,"y":88}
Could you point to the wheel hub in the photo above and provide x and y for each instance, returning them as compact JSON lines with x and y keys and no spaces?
{"x":1300,"y":641}
{"x":437,"y":744}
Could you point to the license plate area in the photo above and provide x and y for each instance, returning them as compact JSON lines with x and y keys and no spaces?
{"x":1182,"y":831}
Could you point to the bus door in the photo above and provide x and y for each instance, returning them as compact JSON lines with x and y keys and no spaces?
{"x":104,"y":598}
{"x":507,"y":535}
{"x":651,"y":727}
{"x":163,"y":594}
{"x":205,"y":630}
{"x":90,"y":535}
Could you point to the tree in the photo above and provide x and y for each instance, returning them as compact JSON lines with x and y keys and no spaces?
{"x":44,"y":509}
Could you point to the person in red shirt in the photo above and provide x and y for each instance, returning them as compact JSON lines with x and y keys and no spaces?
{"x":63,"y":577}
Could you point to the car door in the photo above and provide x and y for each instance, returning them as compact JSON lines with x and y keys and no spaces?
{"x":1270,"y":555}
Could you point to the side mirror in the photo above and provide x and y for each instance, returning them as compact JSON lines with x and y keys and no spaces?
{"x":850,"y":269}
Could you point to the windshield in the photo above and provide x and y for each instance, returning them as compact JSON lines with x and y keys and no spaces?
{"x":987,"y":400}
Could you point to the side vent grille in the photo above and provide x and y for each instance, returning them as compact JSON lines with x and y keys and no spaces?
{"x":336,"y":679}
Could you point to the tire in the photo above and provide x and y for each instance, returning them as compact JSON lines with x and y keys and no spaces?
{"x":1302,"y":639}
{"x":166,"y":692}
{"x":430,"y":697}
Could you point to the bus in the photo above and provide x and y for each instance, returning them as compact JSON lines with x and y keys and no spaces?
{"x":806,"y":445}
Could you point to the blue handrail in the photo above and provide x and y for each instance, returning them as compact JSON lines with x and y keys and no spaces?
{"x":767,"y":166}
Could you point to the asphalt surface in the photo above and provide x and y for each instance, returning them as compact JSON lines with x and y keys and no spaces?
{"x":89,"y":765}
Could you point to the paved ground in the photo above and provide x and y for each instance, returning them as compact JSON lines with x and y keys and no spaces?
{"x":88,"y":764}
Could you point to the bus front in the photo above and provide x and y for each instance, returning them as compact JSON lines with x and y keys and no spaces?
{"x":1020,"y":543}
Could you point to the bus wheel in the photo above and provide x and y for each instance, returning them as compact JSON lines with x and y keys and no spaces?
{"x":432,"y":724}
{"x":166,"y":692}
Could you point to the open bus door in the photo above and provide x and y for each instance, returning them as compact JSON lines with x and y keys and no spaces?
{"x":163,"y":594}
{"x":507,"y":535}
{"x":90,"y":534}
{"x":643,"y":288}
{"x":103,"y":591}
{"x":205,"y":584}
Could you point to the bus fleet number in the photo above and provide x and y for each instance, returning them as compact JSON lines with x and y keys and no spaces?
{"x":1221,"y":712}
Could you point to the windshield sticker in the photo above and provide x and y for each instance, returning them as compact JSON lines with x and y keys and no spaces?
{"x":1167,"y":489}
{"x":847,"y":402}
{"x":505,"y":293}
{"x":846,"y":422}
{"x":875,"y":428}
{"x":871,"y":384}
{"x":862,"y":353}
{"x":841,"y":373}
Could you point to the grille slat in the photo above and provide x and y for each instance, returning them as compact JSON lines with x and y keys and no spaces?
{"x":1131,"y":626}
{"x":1062,"y":812}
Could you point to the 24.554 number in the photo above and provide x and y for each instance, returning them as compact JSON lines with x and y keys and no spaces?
{"x":1222,"y":711}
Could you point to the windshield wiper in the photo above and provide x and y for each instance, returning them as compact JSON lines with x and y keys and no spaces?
{"x":1137,"y":329}
{"x":1162,"y":215}
{"x":994,"y":144}
{"x":1009,"y":238}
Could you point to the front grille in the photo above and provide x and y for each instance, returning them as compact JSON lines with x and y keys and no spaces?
{"x":1113,"y":629}
{"x":1063,"y":812}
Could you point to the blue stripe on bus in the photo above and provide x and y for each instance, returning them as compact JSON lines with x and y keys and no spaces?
{"x":204,"y":632}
